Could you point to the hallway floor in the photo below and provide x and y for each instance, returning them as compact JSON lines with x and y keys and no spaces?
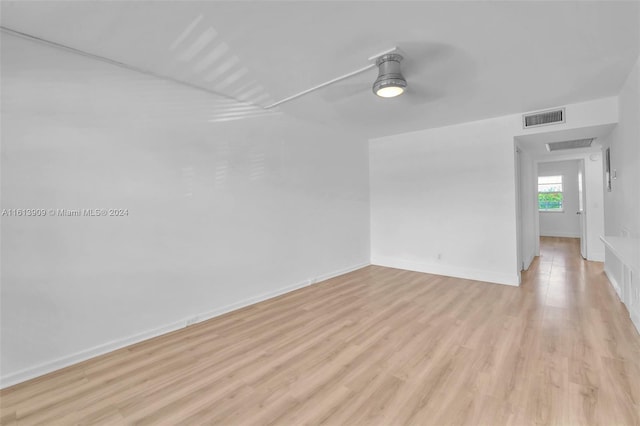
{"x":589,"y":350}
{"x":376,"y":346}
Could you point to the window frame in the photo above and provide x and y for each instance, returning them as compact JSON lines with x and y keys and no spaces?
{"x":560,"y":210}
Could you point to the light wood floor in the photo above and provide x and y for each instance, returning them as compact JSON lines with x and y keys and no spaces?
{"x":376,"y":346}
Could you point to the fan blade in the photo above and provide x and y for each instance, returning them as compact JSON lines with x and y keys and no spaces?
{"x":431,"y":69}
{"x":437,"y":63}
{"x":339,"y":92}
{"x":417,"y":94}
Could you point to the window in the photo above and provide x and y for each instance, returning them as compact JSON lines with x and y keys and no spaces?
{"x":550,"y":193}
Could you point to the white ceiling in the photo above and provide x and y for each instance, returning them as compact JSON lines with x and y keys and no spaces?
{"x":465,"y":60}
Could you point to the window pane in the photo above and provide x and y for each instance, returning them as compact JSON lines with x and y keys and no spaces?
{"x":550,"y":193}
{"x":550,"y":179}
{"x":550,"y":187}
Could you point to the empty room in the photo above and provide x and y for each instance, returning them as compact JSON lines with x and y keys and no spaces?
{"x":320,"y":213}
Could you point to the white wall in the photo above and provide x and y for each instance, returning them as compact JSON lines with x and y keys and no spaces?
{"x":565,"y":223}
{"x":443,"y":200}
{"x":528,"y":209}
{"x":622,"y":204}
{"x":220,"y":214}
{"x":594,"y":206}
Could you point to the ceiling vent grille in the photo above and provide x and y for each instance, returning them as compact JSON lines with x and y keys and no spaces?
{"x":543,"y":118}
{"x":574,"y":144}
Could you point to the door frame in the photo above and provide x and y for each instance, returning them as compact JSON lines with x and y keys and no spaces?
{"x":594,"y":224}
{"x":582,"y":211}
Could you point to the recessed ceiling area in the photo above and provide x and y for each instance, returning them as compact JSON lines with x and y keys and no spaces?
{"x":569,"y":145}
{"x":536,"y":144}
{"x":464,"y":60}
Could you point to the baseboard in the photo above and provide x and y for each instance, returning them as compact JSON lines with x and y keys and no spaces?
{"x":66,"y":361}
{"x":270,"y":295}
{"x":596,"y":257}
{"x":450,"y":271}
{"x":635,"y":319}
{"x":612,"y":280}
{"x":527,"y":262}
{"x":634,"y":315}
{"x":559,"y":234}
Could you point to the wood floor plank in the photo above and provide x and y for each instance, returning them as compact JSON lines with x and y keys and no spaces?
{"x":377,"y":346}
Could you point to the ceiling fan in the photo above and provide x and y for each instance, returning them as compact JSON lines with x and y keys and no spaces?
{"x":390,"y":82}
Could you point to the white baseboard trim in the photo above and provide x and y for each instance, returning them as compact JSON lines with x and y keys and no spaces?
{"x":612,"y":280}
{"x":634,"y":315}
{"x":450,"y":271}
{"x":62,"y":362}
{"x":57,"y":364}
{"x":559,"y":234}
{"x":635,"y":319}
{"x":596,"y":257}
{"x":527,"y":262}
{"x":270,"y":295}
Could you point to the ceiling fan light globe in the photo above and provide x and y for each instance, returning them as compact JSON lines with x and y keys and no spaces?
{"x":390,"y":91}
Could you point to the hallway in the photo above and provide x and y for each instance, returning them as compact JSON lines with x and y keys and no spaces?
{"x":562,"y":274}
{"x":590,"y":350}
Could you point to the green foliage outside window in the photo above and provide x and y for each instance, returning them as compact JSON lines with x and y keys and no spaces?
{"x":550,"y":201}
{"x":550,"y":193}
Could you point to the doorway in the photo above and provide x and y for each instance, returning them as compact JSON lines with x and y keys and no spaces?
{"x":585,"y":213}
{"x":561,"y":198}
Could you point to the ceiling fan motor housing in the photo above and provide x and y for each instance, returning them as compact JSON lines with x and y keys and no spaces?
{"x":389,"y":72}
